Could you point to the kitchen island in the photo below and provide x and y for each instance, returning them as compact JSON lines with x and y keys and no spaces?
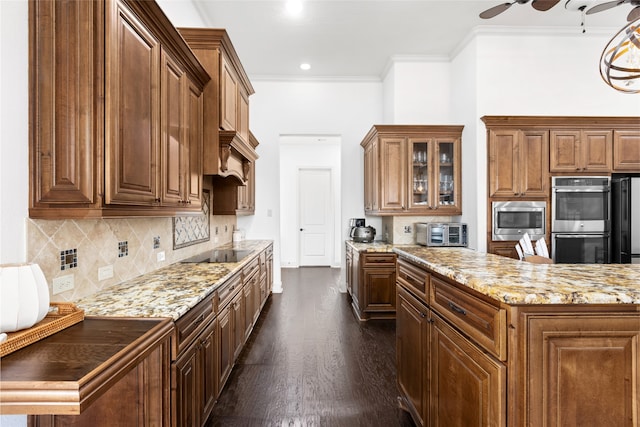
{"x":487,"y":340}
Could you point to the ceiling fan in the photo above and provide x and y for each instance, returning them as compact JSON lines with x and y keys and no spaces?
{"x":541,"y":5}
{"x":633,"y":15}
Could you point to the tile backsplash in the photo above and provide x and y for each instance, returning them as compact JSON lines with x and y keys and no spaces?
{"x":130,"y":245}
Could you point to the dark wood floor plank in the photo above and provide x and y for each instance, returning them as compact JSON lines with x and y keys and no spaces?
{"x":309,"y":362}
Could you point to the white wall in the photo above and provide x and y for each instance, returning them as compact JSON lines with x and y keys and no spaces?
{"x":14,"y":130}
{"x":299,"y":151}
{"x":347,"y":109}
{"x":417,"y":91}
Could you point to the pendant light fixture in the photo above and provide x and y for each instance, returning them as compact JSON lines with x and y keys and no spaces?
{"x":620,"y":59}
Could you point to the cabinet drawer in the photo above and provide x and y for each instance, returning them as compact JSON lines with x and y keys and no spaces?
{"x":252,"y":267}
{"x":413,"y":278}
{"x":484,"y":323}
{"x":263,"y":262}
{"x":228,"y":290}
{"x":192,"y":322}
{"x":378,"y":259}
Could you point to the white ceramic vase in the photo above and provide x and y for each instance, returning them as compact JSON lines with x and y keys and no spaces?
{"x":24,"y":296}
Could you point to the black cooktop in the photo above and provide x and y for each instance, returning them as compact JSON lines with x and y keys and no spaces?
{"x":220,"y":255}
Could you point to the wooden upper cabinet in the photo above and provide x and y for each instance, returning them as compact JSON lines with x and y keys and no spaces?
{"x":581,"y":150}
{"x":518,"y":163}
{"x":108,"y":83}
{"x":626,"y":150}
{"x":173,"y":137}
{"x":393,"y":170}
{"x":412,"y":170}
{"x":132,"y":111}
{"x":193,"y":145}
{"x":65,"y":140}
{"x":229,"y":95}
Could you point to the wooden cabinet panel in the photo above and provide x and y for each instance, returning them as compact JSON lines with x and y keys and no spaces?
{"x":132,"y":110}
{"x":379,"y":289}
{"x":225,"y":348}
{"x":468,"y":387}
{"x":483,"y":322}
{"x":243,"y":113}
{"x":412,"y":355}
{"x":238,"y":323}
{"x":172,"y":131}
{"x":534,"y":163}
{"x":208,"y":370}
{"x":371,"y":177}
{"x":518,"y":163}
{"x":392,"y":174}
{"x":414,"y":278}
{"x":64,"y":138}
{"x":506,"y":249}
{"x":626,"y":150}
{"x":193,"y":145}
{"x":229,"y":85}
{"x":187,"y":389}
{"x":564,"y":352}
{"x":581,"y":150}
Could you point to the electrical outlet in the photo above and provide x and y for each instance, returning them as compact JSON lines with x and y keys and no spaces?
{"x":407,"y":229}
{"x":62,"y":284}
{"x":105,"y":272}
{"x":216,"y":240}
{"x":160,"y":256}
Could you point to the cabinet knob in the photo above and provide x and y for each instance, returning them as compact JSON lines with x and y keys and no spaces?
{"x":157,"y":200}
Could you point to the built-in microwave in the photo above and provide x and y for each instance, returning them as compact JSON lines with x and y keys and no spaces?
{"x":441,"y":234}
{"x":512,"y":219}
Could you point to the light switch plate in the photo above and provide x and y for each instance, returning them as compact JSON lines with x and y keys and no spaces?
{"x":160,"y":256}
{"x":62,"y":284}
{"x":105,"y":272}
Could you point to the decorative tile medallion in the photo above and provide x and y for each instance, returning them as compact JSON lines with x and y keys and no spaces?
{"x":189,"y":230}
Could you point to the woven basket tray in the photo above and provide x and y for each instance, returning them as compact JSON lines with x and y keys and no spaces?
{"x":64,"y":315}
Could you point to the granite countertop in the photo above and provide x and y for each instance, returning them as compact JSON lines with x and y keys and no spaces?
{"x":375,"y":246}
{"x":518,"y":282}
{"x":170,"y":291}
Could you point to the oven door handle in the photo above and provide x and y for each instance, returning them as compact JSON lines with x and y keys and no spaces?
{"x":581,"y":190}
{"x":579,"y":236}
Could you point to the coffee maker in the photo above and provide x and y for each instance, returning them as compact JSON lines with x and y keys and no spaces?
{"x":356,"y":222}
{"x":359,"y":232}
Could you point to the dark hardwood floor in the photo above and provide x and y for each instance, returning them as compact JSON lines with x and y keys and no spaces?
{"x":309,"y":362}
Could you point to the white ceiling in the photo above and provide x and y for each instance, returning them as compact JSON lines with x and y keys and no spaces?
{"x":357,"y":38}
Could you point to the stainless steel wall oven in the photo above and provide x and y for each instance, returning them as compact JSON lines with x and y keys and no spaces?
{"x":581,"y":219}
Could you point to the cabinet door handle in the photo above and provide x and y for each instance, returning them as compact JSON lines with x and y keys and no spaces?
{"x":423,"y":315}
{"x":457,"y":309}
{"x":199,"y":319}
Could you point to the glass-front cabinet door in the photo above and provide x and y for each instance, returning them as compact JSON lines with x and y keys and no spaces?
{"x":419,"y":174}
{"x":447,"y":175}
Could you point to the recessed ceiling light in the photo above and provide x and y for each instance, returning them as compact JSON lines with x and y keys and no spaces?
{"x":305,"y":66}
{"x":294,"y":7}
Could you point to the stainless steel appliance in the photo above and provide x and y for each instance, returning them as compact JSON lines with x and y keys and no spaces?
{"x":581,"y":219}
{"x":441,"y":234}
{"x":512,"y":219}
{"x":580,"y":204}
{"x":363,"y":234}
{"x":220,"y":255}
{"x":625,"y":219}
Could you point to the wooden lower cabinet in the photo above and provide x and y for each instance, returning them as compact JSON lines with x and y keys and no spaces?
{"x":467,"y":386}
{"x":506,"y":249}
{"x":583,"y":369}
{"x":412,"y":352}
{"x":371,"y":280}
{"x":561,"y":365}
{"x":196,"y":379}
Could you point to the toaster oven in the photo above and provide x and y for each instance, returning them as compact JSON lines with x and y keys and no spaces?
{"x":441,"y":234}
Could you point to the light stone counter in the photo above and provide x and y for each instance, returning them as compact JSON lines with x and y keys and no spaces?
{"x":170,"y":291}
{"x":517,"y":282}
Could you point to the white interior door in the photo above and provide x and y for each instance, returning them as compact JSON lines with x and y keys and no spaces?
{"x":315,"y":216}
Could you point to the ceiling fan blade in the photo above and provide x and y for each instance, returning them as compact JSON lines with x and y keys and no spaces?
{"x":605,"y":6}
{"x":544,"y":5}
{"x":495,"y":10}
{"x":634,"y":14}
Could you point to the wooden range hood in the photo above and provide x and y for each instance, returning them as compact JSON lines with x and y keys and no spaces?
{"x":234,"y":157}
